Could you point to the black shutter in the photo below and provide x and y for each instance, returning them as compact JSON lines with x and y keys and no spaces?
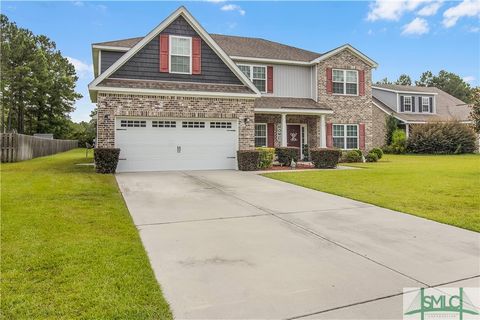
{"x":431,"y":105}
{"x":402,"y":107}
{"x":413,"y":104}
{"x":420,"y":104}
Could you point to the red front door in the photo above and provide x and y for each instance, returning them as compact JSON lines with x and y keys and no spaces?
{"x":293,"y":135}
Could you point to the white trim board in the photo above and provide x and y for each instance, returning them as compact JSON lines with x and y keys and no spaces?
{"x":292,"y":111}
{"x":346,"y":47}
{"x":182,"y":11}
{"x":407,"y":92}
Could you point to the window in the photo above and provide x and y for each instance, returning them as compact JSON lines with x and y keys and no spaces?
{"x":257,"y":74}
{"x":407,"y":104}
{"x":345,"y":136}
{"x":260,"y":134}
{"x":221,"y":125}
{"x":133,"y":123}
{"x":193,"y":124}
{"x":345,"y":82}
{"x":180,"y":54}
{"x":425,"y":104}
{"x":164,"y":124}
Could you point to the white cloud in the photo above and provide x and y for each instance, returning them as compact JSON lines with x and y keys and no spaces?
{"x":78,"y":3}
{"x":215,"y":1}
{"x":469,"y":78}
{"x":233,"y":7}
{"x":474,"y":29}
{"x":392,"y":9}
{"x":430,"y":9}
{"x":82,"y":69}
{"x":418,"y":26}
{"x":467,"y":8}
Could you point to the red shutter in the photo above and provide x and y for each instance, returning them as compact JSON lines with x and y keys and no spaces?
{"x":271,"y":135}
{"x":362,"y":136}
{"x":164,"y":53}
{"x":361,"y":82}
{"x":270,"y":79}
{"x":329,"y":135}
{"x":329,"y":80}
{"x":196,"y":55}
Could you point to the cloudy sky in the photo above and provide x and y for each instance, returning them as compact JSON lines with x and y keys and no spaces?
{"x":409,"y":36}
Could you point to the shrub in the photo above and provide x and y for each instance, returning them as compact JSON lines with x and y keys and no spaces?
{"x":391,"y":125}
{"x":106,"y":159}
{"x":399,"y":142}
{"x":378,"y":152}
{"x":325,"y":158}
{"x":286,"y":155}
{"x":371,"y":157}
{"x":248,"y":160}
{"x":353,"y":156}
{"x":306,"y":152}
{"x":442,"y":138}
{"x":266,"y":157}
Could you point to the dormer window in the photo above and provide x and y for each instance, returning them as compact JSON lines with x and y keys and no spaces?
{"x":180,"y":54}
{"x":425,"y":104}
{"x":407,"y":103}
{"x":345,"y":81}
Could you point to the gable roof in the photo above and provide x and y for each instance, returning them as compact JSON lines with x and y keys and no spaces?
{"x":182,"y":11}
{"x":347,"y":46}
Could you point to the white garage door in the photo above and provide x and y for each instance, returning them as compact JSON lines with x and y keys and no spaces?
{"x":172,"y":144}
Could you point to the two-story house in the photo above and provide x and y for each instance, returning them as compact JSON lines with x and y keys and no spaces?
{"x":181,"y":98}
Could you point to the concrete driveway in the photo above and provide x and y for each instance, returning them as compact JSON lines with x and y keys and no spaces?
{"x":228,"y":244}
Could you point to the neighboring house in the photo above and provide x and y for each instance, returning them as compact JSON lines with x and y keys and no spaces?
{"x":414,"y":105}
{"x":181,"y":98}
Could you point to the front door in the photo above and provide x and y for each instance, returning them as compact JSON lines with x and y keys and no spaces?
{"x":294,"y":137}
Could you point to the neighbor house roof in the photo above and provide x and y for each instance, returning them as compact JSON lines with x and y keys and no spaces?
{"x":236,"y":46}
{"x":447,"y":107}
{"x":402,"y":88}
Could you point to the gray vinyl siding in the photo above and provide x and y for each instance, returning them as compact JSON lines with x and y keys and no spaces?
{"x":145,"y":64}
{"x":108,"y":58}
{"x":417,"y":105}
{"x":387,"y":97}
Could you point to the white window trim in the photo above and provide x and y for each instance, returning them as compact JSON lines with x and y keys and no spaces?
{"x":251,"y":73}
{"x":266,"y":134}
{"x":345,"y":136}
{"x":405,"y":104}
{"x":427,"y":104}
{"x":345,"y":83}
{"x":180,"y":55}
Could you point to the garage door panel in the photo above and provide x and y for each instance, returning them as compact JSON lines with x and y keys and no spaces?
{"x":151,"y":148}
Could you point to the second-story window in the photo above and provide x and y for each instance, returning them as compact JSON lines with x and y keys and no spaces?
{"x":425,"y":104}
{"x":180,"y":54}
{"x":257,"y":74}
{"x":407,"y":103}
{"x":345,"y":81}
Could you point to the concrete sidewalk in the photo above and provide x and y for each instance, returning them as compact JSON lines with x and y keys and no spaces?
{"x":229,"y":244}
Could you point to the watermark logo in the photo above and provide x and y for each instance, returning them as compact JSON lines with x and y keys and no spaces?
{"x":441,"y":303}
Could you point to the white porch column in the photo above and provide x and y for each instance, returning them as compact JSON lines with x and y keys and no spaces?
{"x":407,"y":130}
{"x":284,"y":130}
{"x":323,"y":132}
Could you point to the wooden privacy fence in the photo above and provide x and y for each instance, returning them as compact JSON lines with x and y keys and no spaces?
{"x":19,"y":147}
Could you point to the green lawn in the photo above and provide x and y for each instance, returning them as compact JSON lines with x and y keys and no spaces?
{"x":68,"y":245}
{"x":441,"y":188}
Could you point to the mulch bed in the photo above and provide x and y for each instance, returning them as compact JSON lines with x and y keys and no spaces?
{"x":300,"y":165}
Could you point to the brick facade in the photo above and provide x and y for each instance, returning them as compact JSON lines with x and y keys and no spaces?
{"x":379,"y":128}
{"x":347,"y":109}
{"x":113,"y":105}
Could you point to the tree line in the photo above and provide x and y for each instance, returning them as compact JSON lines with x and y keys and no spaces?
{"x":37,"y":83}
